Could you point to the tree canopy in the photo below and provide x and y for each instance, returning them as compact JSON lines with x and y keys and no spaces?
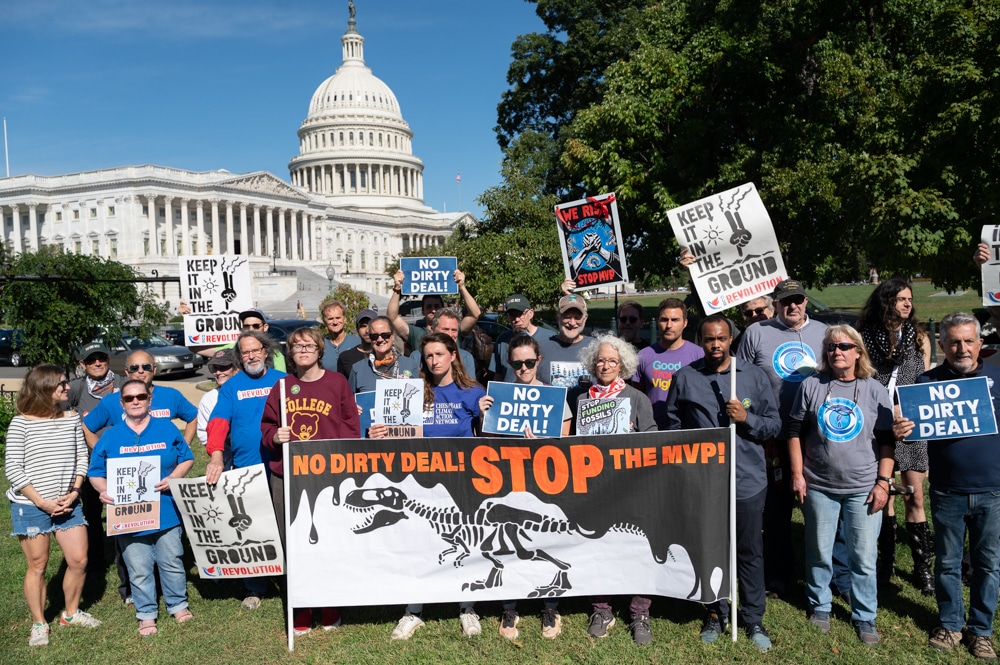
{"x":70,"y":304}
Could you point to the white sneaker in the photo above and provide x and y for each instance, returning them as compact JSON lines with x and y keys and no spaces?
{"x":406,"y":627}
{"x":470,"y":623}
{"x":81,"y":618}
{"x":39,"y":635}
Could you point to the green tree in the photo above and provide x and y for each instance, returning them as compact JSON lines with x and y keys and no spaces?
{"x":76,"y":298}
{"x":353,"y":301}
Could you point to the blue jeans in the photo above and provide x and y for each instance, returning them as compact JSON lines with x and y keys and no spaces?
{"x":821,"y":512}
{"x":952,"y":513}
{"x":164,"y":549}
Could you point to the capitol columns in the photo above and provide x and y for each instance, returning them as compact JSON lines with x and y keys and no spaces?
{"x":258,"y":233}
{"x":185,"y":232}
{"x":168,"y":217}
{"x":245,"y":248}
{"x":33,"y":226}
{"x":16,"y":232}
{"x":215,"y":227}
{"x":282,"y":245}
{"x":296,"y":253}
{"x":272,"y":242}
{"x":199,"y":220}
{"x":154,"y":242}
{"x":230,"y":234}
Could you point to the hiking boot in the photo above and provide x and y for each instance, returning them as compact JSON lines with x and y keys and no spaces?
{"x":470,"y":623}
{"x":600,"y":622}
{"x":251,"y":602}
{"x":867,"y":633}
{"x":712,"y":628}
{"x":329,"y":618}
{"x":980,"y":646}
{"x":39,"y":635}
{"x":508,"y":624}
{"x":641,"y":632}
{"x":821,"y":620}
{"x":406,"y":627}
{"x":759,"y":636}
{"x":943,"y":639}
{"x":302,"y":621}
{"x":81,"y":618}
{"x":551,"y":623}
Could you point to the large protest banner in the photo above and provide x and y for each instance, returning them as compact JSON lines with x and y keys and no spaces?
{"x":435,"y":520}
{"x":230,"y":525}
{"x":590,"y":237}
{"x":948,"y":409}
{"x":132,"y":483}
{"x":734,"y":247}
{"x":516,"y":408}
{"x":217,"y":289}
{"x":991,"y":269}
{"x":425,"y":275}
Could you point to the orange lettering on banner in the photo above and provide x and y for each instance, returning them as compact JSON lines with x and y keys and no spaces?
{"x":587,"y":462}
{"x":516,"y":457}
{"x":408,"y":462}
{"x":694,"y":453}
{"x":491,"y":480}
{"x":560,"y":477}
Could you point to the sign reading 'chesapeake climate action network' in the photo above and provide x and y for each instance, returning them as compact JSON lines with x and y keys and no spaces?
{"x":736,"y":256}
{"x":443,"y":520}
{"x":948,"y":409}
{"x":231,"y":525}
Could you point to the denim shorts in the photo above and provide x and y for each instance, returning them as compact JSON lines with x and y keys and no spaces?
{"x":30,"y":520}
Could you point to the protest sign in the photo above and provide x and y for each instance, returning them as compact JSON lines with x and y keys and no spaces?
{"x":217,"y":289}
{"x":516,"y":407}
{"x":735,"y":250}
{"x":131,"y":483}
{"x":440,"y":519}
{"x":230,"y":525}
{"x":948,"y":409}
{"x":366,"y":402}
{"x":425,"y":275}
{"x":590,"y":238}
{"x":399,"y":405}
{"x":991,"y":269}
{"x":604,"y":416}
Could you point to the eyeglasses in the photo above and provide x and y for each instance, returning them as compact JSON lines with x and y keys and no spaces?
{"x":64,"y":384}
{"x":628,"y":319}
{"x":249,"y":353}
{"x":374,"y":336}
{"x":607,"y":362}
{"x":252,"y":326}
{"x":754,"y":312}
{"x":304,"y":348}
{"x":146,"y":367}
{"x":96,"y":358}
{"x":843,"y":346}
{"x":139,"y":397}
{"x":518,"y":364}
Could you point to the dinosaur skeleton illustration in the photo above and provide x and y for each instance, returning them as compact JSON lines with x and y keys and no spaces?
{"x":495,"y":529}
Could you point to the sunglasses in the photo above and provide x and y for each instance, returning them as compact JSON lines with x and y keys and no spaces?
{"x":215,"y":369}
{"x":96,"y":358}
{"x":753,"y":312}
{"x":628,"y":319}
{"x":140,"y":397}
{"x":518,"y":364}
{"x":843,"y":346}
{"x":792,"y":300}
{"x":64,"y":384}
{"x":374,"y":336}
{"x":252,"y":326}
{"x":132,"y":369}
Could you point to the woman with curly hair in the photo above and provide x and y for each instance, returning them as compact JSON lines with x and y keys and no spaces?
{"x":900,"y":351}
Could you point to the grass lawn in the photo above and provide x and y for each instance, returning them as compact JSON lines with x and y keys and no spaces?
{"x":222,"y":632}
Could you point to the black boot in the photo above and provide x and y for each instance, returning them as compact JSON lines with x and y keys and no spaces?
{"x":886,"y":549}
{"x":919,"y":535}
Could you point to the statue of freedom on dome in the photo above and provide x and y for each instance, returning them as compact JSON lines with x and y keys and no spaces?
{"x":350,"y":8}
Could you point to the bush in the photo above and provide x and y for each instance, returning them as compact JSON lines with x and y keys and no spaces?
{"x":7,"y":413}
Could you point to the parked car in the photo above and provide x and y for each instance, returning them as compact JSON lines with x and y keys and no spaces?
{"x":280,"y":329}
{"x":174,"y":336}
{"x":171,"y":360}
{"x":11,"y":340}
{"x":817,"y":310}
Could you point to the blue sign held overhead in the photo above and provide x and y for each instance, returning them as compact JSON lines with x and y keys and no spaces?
{"x":366,"y":401}
{"x":425,"y":275}
{"x":948,"y":409}
{"x":516,"y":407}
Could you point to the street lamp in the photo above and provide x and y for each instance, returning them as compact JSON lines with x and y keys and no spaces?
{"x":330,"y":273}
{"x":274,"y":261}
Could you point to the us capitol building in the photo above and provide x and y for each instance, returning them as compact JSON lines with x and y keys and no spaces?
{"x":354,"y":203}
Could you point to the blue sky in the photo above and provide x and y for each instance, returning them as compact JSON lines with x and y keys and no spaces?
{"x":220,"y":84}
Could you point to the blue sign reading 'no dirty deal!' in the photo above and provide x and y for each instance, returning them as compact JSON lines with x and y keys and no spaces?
{"x":518,"y":407}
{"x":429,"y":275}
{"x":948,"y":409}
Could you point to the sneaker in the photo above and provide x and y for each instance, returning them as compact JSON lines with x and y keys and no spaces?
{"x":251,"y":602}
{"x":470,"y":623}
{"x":406,"y":627}
{"x":641,"y":632}
{"x":551,"y":623}
{"x":759,"y":636}
{"x":943,"y":639}
{"x":821,"y":620}
{"x":980,"y":646}
{"x":128,"y":601}
{"x":712,"y":628}
{"x":39,"y":635}
{"x":302,"y":621}
{"x":329,"y":618}
{"x":81,"y":618}
{"x":508,"y":624}
{"x":600,"y":622}
{"x":867,"y":633}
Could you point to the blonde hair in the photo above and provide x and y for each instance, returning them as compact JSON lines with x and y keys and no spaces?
{"x":863,"y":368}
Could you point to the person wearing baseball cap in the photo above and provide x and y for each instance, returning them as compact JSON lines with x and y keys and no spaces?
{"x":520,"y":315}
{"x":250,"y":319}
{"x":561,"y":364}
{"x":350,"y":356}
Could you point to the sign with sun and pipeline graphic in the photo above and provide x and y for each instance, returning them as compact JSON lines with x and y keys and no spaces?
{"x":396,"y":521}
{"x":991,"y":269}
{"x":132,"y":484}
{"x":216,"y":289}
{"x":735,"y":250}
{"x":231,"y":525}
{"x":591,"y":241}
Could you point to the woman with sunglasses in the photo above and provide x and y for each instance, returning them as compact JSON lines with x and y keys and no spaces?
{"x":841,"y":451}
{"x":319,"y":405}
{"x":46,"y":465}
{"x":141,"y":435}
{"x":900,"y":350}
{"x":451,"y":409}
{"x":523,"y":356}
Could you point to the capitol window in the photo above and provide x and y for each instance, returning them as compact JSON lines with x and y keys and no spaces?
{"x":111,"y":211}
{"x":58,"y":216}
{"x":114,"y":247}
{"x":76,"y":214}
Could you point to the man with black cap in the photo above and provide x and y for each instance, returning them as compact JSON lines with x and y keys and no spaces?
{"x":250,"y":319}
{"x":521,"y":317}
{"x":561,"y":364}
{"x":350,"y":356}
{"x":788,"y":348}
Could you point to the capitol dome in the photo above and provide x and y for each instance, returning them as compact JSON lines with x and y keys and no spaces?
{"x":355,"y":148}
